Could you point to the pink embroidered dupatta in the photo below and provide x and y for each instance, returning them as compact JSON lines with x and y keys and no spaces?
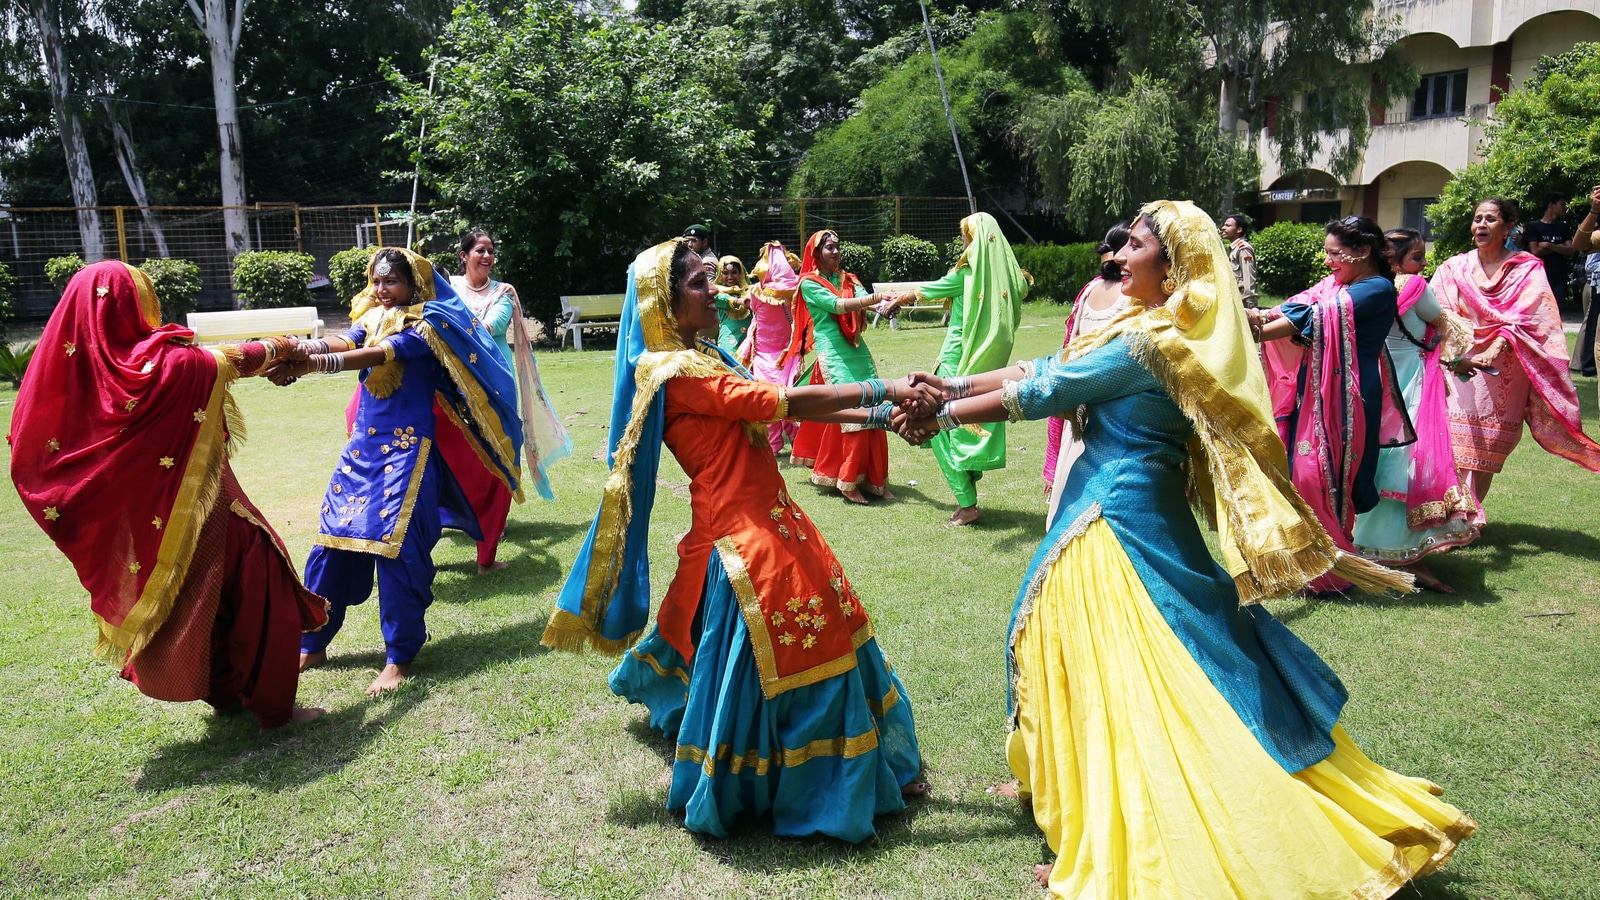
{"x":1325,"y":427}
{"x":1434,"y":493}
{"x":1519,"y":306}
{"x":1054,"y":425}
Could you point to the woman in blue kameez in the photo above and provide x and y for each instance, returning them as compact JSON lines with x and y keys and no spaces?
{"x":391,"y":494}
{"x":1175,"y":739}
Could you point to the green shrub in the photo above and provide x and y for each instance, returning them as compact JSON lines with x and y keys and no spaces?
{"x":14,"y":365}
{"x":1288,"y":258}
{"x":952,"y":252}
{"x":446,"y":262}
{"x":1059,"y":270}
{"x":907,"y":258}
{"x":347,"y":269}
{"x":860,"y":259}
{"x":60,"y":269}
{"x":273,"y":278}
{"x":8,"y":286}
{"x":177,"y":284}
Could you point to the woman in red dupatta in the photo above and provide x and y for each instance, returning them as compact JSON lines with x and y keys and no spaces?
{"x":1516,"y":370}
{"x":119,"y":449}
{"x":846,"y":457}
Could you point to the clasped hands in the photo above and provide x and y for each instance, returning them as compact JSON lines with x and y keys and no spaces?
{"x":287,"y":367}
{"x":913,"y":418}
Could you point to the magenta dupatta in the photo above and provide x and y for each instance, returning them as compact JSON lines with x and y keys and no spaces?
{"x":1055,"y":424}
{"x":1434,"y":493}
{"x":1325,"y":428}
{"x":1519,"y":306}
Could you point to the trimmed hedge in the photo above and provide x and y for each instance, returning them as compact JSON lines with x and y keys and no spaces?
{"x":177,"y":283}
{"x":273,"y":278}
{"x":347,"y":269}
{"x":908,"y":258}
{"x":1059,"y":270}
{"x":8,"y":287}
{"x":60,"y":269}
{"x":860,"y":259}
{"x":1288,"y":258}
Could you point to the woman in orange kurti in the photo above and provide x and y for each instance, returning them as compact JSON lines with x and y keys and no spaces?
{"x":763,"y":665}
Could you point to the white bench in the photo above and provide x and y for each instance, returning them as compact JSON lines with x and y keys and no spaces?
{"x":244,"y":324}
{"x":580,"y":311}
{"x":908,"y":287}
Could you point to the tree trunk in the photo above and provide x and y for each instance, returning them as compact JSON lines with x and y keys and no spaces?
{"x":131,"y":174}
{"x":222,"y":37}
{"x":79,"y":171}
{"x":1228,"y":132}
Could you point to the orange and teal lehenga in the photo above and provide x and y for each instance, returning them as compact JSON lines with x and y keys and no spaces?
{"x":763,"y":666}
{"x":1176,"y":739}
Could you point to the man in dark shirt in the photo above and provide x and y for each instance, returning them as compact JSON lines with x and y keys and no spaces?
{"x":1550,"y":239}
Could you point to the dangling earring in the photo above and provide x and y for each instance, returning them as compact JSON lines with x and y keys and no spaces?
{"x":1169,"y":285}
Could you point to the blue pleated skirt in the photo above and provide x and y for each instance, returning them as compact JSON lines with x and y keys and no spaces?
{"x":825,"y":758}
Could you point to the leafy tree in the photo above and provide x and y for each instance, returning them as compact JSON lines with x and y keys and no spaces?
{"x":1099,"y":156}
{"x":1338,"y":55}
{"x":576,"y":139}
{"x":1544,"y":137}
{"x":1289,"y":257}
{"x":898,"y":141}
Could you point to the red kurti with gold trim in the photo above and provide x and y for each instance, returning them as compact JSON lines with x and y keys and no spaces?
{"x":804,"y":618}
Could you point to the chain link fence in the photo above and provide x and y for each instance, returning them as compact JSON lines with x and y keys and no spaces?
{"x":30,"y":236}
{"x":859,"y":220}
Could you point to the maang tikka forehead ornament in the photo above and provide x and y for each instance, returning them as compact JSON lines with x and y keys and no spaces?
{"x":383,"y":267}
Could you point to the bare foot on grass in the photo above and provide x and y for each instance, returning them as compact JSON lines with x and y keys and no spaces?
{"x":1041,"y":873}
{"x":388,"y":679}
{"x":495,"y":566}
{"x":312,"y":660}
{"x":966,"y":515}
{"x":914,"y":789}
{"x":888,"y":494}
{"x":1427,"y":580}
{"x":853,"y":495}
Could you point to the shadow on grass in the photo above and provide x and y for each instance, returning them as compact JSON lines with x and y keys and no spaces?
{"x":233,"y":750}
{"x":532,"y":569}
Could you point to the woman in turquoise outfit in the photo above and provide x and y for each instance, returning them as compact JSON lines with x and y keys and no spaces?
{"x":1176,"y":739}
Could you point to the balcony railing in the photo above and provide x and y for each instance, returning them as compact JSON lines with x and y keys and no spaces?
{"x":1475,"y":113}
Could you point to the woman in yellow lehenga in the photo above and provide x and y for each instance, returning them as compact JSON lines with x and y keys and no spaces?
{"x":1175,"y":738}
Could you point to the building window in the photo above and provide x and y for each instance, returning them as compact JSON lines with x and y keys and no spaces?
{"x":1319,"y":213}
{"x":1440,"y":95}
{"x":1414,"y":215}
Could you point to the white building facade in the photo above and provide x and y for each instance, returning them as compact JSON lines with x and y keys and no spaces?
{"x":1469,"y":54}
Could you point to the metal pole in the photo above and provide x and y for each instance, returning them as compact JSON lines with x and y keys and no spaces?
{"x":927,"y":29}
{"x":416,"y":177}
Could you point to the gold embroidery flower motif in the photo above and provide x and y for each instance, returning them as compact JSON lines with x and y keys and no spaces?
{"x":777,"y":513}
{"x":149,"y":366}
{"x":796,"y":604}
{"x":816,"y":602}
{"x":130,"y":405}
{"x":133,"y":567}
{"x":778,"y":620}
{"x":818,"y":621}
{"x":199,"y":415}
{"x":472,"y":358}
{"x":52,"y":445}
{"x":156,"y":522}
{"x":51,"y":514}
{"x":786,"y":639}
{"x":809,"y":641}
{"x":371,"y":430}
{"x":101,"y":291}
{"x":801,"y":535}
{"x":784,"y":530}
{"x":166,"y":462}
{"x":69,"y":349}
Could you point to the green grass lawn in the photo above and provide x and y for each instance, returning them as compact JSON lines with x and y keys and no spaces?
{"x":506,"y":770}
